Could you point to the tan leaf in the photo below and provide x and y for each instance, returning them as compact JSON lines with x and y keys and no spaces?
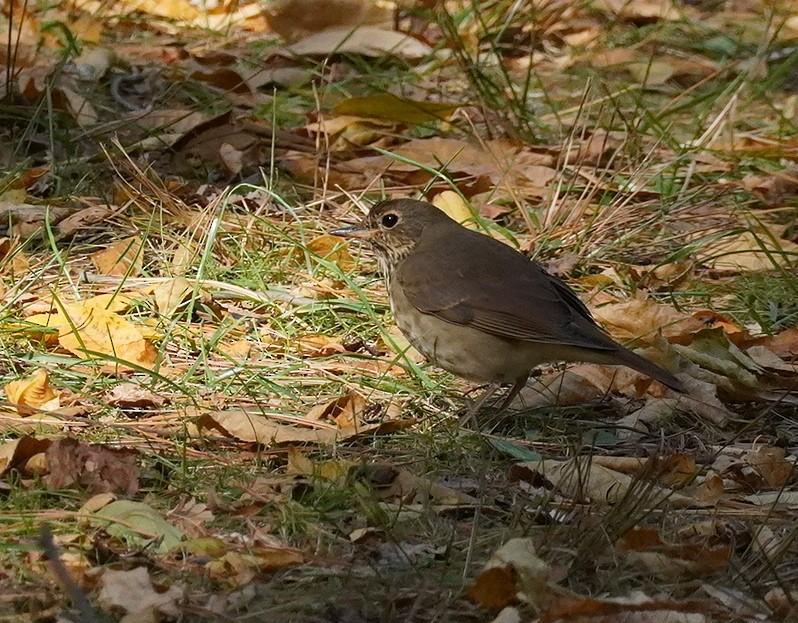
{"x":133,"y":593}
{"x":79,"y":221}
{"x":645,"y":548}
{"x":319,"y":346}
{"x":641,"y":318}
{"x":300,"y":464}
{"x":515,"y":572}
{"x":346,"y":411}
{"x":123,"y":258}
{"x":14,"y":452}
{"x":367,"y":41}
{"x":580,"y":479}
{"x":748,"y":250}
{"x":171,"y":295}
{"x":33,"y":391}
{"x":170,"y":9}
{"x":239,"y":569}
{"x":771,"y":464}
{"x":132,"y":396}
{"x":12,"y":260}
{"x":258,"y":429}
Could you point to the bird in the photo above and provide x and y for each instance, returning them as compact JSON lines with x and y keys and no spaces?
{"x":477,"y":307}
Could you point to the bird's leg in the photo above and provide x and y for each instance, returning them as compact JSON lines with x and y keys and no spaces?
{"x":514,"y":391}
{"x":479,"y":402}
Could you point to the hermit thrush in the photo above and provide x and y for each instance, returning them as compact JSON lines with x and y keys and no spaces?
{"x":478,"y":308}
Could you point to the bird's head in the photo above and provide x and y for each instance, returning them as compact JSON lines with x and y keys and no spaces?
{"x":394,"y":227}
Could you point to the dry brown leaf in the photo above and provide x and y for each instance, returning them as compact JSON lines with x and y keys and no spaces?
{"x":29,"y":220}
{"x":784,"y":344}
{"x":581,"y":479}
{"x":771,"y":464}
{"x":98,"y":468}
{"x":641,"y":10}
{"x":642,"y":318}
{"x":14,"y":452}
{"x":299,"y":464}
{"x":80,"y":221}
{"x":171,"y":295}
{"x":294,"y":19}
{"x":318,"y":346}
{"x":123,"y":258}
{"x":132,"y":396}
{"x":14,"y":262}
{"x":783,"y":601}
{"x":644,"y":547}
{"x":411,"y":489}
{"x":515,"y":573}
{"x":34,"y":391}
{"x":240,"y":569}
{"x":748,"y":251}
{"x":346,"y":411}
{"x":343,"y":132}
{"x":133,"y":593}
{"x":366,"y":40}
{"x":179,"y":10}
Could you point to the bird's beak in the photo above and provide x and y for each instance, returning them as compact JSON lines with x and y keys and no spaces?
{"x":354,"y":231}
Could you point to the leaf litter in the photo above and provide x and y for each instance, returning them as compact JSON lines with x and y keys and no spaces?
{"x":196,"y":343}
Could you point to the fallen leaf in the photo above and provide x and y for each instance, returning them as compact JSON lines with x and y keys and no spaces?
{"x":14,"y":452}
{"x":366,"y":40}
{"x":346,"y":411}
{"x":123,"y":258}
{"x":392,"y":108}
{"x":645,"y":548}
{"x":452,"y":205}
{"x":132,"y":396}
{"x":92,"y":328}
{"x":581,"y":479}
{"x":97,"y":467}
{"x":294,"y":19}
{"x":515,"y":573}
{"x":332,"y":249}
{"x":34,"y":391}
{"x":133,"y":592}
{"x":171,"y":295}
{"x":139,"y":525}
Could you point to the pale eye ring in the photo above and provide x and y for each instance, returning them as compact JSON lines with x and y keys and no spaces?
{"x":389,"y":220}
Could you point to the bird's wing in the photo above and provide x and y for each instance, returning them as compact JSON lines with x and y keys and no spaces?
{"x":507,"y":295}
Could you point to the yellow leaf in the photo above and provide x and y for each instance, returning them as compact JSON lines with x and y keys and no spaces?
{"x":393,"y":108}
{"x":34,"y":391}
{"x":91,"y":327}
{"x":170,"y":295}
{"x":330,"y":248}
{"x":121,"y":258}
{"x":453,"y":205}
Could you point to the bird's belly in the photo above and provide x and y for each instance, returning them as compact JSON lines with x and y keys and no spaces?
{"x":464,"y":351}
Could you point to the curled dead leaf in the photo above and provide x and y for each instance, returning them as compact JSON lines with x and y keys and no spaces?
{"x":34,"y":391}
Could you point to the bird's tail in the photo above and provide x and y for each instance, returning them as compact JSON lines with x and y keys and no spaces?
{"x":627,"y":358}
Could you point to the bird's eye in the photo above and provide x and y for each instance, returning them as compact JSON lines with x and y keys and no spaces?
{"x":389,"y":220}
